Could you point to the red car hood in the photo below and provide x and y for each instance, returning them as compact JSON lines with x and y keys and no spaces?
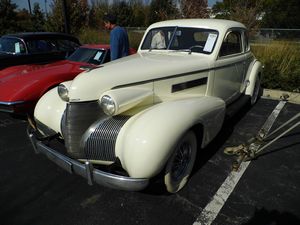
{"x":21,"y":83}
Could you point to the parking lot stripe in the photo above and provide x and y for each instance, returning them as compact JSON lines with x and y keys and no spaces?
{"x":210,"y":212}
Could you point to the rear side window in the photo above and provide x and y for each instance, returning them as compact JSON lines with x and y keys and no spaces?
{"x":42,"y":45}
{"x":51,"y":45}
{"x":232,"y":44}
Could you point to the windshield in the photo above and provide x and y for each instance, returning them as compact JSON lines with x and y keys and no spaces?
{"x":181,"y":39}
{"x":88,"y":55}
{"x":12,"y":46}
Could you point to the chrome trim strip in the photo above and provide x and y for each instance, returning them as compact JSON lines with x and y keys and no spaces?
{"x":11,"y":103}
{"x":189,"y":84}
{"x":100,"y":177}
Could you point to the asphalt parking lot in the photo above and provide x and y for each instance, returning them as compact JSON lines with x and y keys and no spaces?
{"x":34,"y":191}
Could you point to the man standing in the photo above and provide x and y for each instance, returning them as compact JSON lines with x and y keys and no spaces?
{"x":119,"y":44}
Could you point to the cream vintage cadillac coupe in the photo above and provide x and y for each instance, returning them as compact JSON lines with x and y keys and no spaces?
{"x":150,"y":113}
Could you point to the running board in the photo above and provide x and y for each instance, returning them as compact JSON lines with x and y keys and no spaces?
{"x":237,"y":105}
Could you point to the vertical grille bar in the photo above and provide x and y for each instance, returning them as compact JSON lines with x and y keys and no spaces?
{"x":99,"y":141}
{"x":77,"y":119}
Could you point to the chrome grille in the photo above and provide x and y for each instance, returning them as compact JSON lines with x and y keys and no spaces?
{"x":99,"y":141}
{"x":77,"y":118}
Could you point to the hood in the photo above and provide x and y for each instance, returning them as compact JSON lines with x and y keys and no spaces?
{"x":18,"y":81}
{"x":141,"y":67}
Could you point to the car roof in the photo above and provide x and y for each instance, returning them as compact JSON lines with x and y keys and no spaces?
{"x":217,"y":24}
{"x":37,"y":35}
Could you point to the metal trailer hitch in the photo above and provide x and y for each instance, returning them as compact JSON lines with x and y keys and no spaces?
{"x":254,"y":146}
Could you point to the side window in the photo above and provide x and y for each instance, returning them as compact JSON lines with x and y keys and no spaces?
{"x":232,"y":44}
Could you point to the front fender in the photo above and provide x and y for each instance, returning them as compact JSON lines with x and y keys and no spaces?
{"x":49,"y":110}
{"x":145,"y":142}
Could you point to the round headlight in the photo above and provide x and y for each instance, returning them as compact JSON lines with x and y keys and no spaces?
{"x":63,"y":92}
{"x":108,"y":105}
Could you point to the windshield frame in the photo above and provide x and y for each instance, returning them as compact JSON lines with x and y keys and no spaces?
{"x":74,"y":55}
{"x":146,"y":45}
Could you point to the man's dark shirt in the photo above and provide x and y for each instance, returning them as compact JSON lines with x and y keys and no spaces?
{"x":119,"y":44}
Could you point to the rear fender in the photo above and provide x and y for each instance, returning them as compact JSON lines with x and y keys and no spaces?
{"x":147,"y":139}
{"x":254,"y":71}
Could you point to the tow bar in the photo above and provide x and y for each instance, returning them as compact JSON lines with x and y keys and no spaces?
{"x":254,"y":146}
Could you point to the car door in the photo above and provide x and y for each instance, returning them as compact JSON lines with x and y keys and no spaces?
{"x":230,"y":67}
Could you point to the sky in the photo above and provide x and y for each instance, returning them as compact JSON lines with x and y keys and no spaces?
{"x":44,"y":4}
{"x":24,"y":4}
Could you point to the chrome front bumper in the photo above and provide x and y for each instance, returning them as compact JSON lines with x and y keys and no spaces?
{"x":86,"y":169}
{"x":9,"y":106}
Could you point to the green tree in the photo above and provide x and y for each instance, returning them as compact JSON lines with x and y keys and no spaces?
{"x":194,"y":8}
{"x":23,"y":22}
{"x":123,"y":11}
{"x":162,"y":10}
{"x":139,"y":13}
{"x":38,"y":18}
{"x":77,"y":12}
{"x":8,"y":15}
{"x":96,"y":13}
{"x":247,"y":12}
{"x":281,"y":14}
{"x":55,"y":21}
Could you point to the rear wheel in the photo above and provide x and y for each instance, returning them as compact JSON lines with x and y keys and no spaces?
{"x":256,"y":91}
{"x":181,"y":163}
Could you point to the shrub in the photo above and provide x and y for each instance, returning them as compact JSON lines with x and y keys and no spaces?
{"x":93,"y":36}
{"x":281,"y":60}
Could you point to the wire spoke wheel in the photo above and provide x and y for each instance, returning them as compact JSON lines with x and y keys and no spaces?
{"x":181,"y":163}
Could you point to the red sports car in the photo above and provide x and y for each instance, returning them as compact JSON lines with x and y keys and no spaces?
{"x":21,"y":86}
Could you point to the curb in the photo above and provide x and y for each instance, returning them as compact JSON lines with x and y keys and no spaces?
{"x":294,"y":97}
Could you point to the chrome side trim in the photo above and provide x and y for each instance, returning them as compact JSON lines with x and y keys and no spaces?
{"x":87,"y":171}
{"x":11,"y":103}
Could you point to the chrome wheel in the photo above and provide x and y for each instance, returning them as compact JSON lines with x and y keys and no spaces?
{"x":181,"y":160}
{"x":181,"y":163}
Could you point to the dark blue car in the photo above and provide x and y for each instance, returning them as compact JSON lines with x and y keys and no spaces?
{"x":40,"y":47}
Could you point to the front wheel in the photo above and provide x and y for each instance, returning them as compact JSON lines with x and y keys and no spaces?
{"x":181,"y":163}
